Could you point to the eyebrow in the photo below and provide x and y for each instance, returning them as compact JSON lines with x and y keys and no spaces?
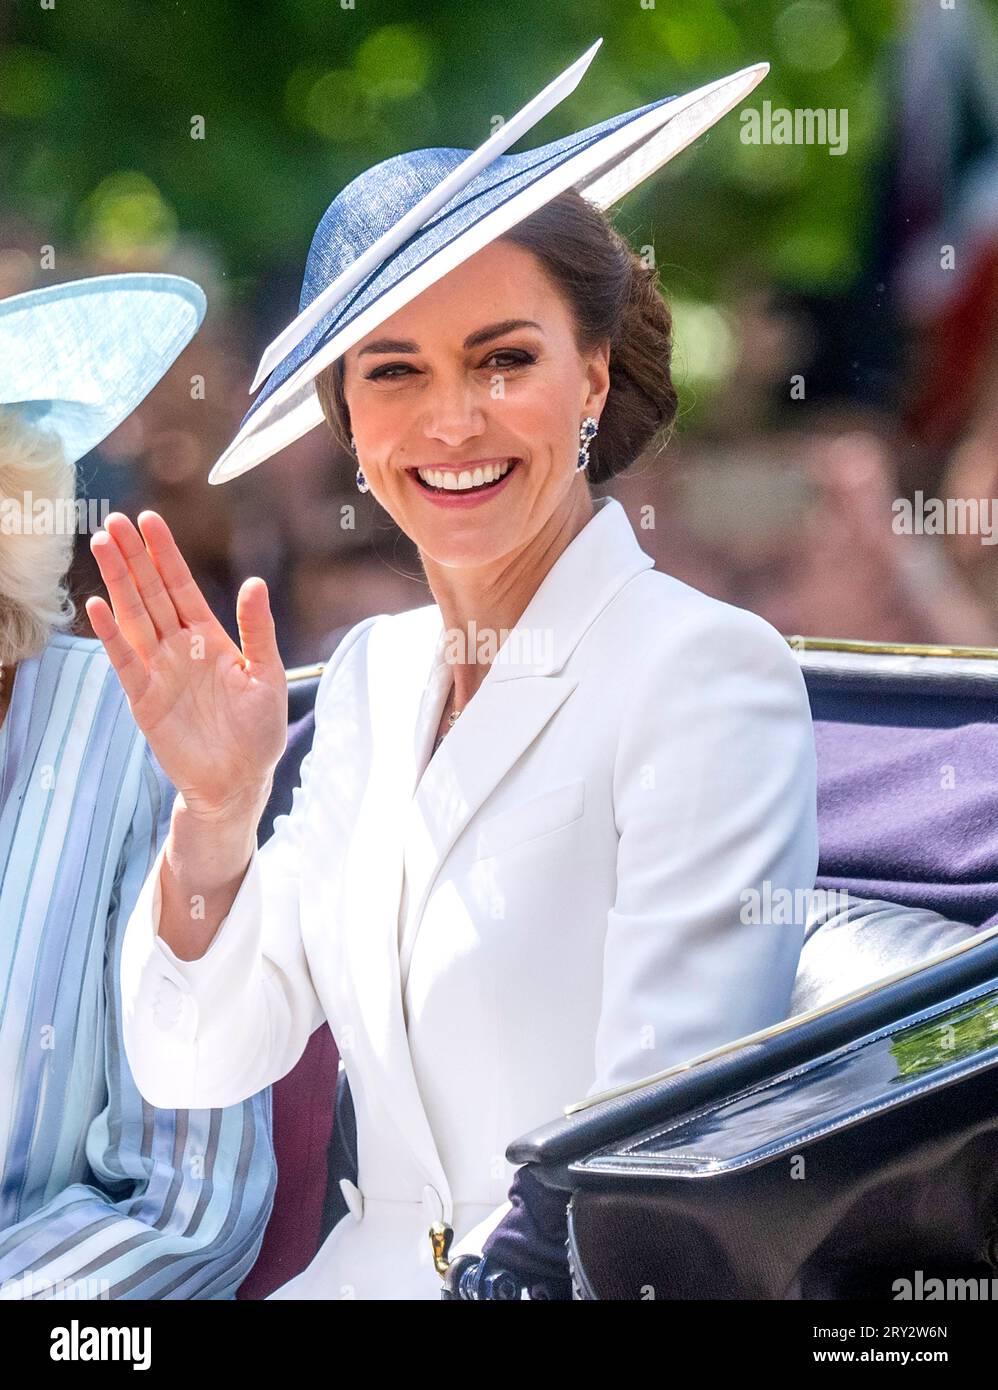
{"x":483,"y":335}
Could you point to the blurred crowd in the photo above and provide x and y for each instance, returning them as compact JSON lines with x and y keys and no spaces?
{"x":776,"y":503}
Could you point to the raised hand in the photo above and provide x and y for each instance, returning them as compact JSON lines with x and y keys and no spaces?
{"x":215,"y":716}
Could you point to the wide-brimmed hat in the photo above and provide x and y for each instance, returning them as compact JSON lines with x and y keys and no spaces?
{"x":404,"y":223}
{"x":77,"y":358}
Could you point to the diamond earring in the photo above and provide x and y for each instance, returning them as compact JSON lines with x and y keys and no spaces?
{"x":587,"y":433}
{"x":362,"y":483}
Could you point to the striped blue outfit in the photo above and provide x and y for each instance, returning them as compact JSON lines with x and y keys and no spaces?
{"x":102,"y":1195}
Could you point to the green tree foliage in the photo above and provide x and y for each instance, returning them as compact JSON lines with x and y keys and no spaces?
{"x":102,"y":106}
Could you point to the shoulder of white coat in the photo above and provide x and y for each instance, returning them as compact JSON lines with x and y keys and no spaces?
{"x":660,"y":620}
{"x":415,"y":626}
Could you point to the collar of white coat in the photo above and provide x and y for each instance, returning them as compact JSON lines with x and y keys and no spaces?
{"x":585,"y":578}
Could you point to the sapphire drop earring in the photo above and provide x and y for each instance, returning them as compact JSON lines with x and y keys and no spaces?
{"x":362,"y":484}
{"x":587,"y":433}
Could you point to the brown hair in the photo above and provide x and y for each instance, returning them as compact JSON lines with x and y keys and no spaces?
{"x":612,"y":295}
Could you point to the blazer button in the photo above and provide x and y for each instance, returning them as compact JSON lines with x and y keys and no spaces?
{"x":354,"y":1198}
{"x":172,"y":1007}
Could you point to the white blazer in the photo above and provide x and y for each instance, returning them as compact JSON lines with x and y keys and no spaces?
{"x":579,"y":854}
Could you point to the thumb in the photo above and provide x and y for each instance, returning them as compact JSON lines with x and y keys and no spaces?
{"x":256,"y":624}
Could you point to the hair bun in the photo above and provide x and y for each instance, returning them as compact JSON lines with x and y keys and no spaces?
{"x":642,"y":400}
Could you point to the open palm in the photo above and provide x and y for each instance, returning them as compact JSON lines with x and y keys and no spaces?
{"x":215,"y":716}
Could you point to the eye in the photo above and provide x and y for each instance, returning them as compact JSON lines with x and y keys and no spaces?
{"x":387,"y":371}
{"x":515,"y":357}
{"x":520,"y":357}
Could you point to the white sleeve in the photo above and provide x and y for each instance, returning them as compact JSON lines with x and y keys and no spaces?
{"x":214,"y":1031}
{"x":715,"y":796}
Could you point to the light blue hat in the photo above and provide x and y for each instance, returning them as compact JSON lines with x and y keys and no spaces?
{"x":77,"y":358}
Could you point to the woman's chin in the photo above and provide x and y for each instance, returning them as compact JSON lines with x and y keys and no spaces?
{"x":463,"y":538}
{"x":465,"y":545}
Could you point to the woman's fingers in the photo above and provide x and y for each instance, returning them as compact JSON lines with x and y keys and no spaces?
{"x":131,"y":671}
{"x":129,"y":610}
{"x":190,"y":604}
{"x":148,"y":581}
{"x":256,"y":625}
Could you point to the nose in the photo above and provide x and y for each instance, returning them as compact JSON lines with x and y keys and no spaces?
{"x":454,"y":414}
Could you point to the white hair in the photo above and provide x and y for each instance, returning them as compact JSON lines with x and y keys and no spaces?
{"x":34,"y":594}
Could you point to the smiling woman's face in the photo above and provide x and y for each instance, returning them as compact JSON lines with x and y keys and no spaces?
{"x":480,"y":371}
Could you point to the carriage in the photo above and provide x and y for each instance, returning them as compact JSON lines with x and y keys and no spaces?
{"x":849,"y":1151}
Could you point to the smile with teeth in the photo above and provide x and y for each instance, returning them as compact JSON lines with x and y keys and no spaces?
{"x":446,"y":480}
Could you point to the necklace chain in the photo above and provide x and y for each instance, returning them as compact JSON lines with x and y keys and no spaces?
{"x":452,"y":719}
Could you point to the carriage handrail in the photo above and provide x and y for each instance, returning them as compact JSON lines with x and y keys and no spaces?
{"x":798,"y":642}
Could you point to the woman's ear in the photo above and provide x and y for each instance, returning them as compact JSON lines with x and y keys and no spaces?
{"x":598,"y":378}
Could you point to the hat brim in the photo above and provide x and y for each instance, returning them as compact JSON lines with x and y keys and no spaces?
{"x":603,"y":163}
{"x":77,"y":358}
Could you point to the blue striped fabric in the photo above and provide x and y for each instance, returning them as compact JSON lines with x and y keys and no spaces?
{"x":102,"y":1196}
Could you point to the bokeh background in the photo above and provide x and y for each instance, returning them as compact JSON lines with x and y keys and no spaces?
{"x":782,"y":263}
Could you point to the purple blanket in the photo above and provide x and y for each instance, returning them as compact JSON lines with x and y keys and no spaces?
{"x":911,"y":815}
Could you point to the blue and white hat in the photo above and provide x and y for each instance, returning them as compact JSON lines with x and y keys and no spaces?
{"x":403,"y":224}
{"x":77,"y":358}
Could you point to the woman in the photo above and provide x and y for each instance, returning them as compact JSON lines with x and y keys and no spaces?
{"x":102,"y":1195}
{"x":517,"y":867}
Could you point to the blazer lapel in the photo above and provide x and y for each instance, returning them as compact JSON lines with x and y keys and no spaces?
{"x":521,"y":692}
{"x":497,"y":727}
{"x":398,"y":666}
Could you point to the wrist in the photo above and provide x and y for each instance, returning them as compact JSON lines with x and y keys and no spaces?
{"x":209,"y":855}
{"x":240,"y":809}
